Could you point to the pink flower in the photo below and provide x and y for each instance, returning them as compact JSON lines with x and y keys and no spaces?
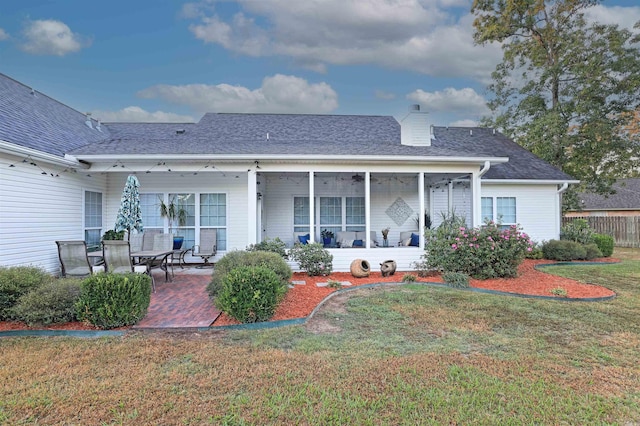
{"x":454,"y":246}
{"x":529,"y":249}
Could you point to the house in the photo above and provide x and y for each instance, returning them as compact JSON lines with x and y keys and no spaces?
{"x":625,"y":201}
{"x":256,"y":176}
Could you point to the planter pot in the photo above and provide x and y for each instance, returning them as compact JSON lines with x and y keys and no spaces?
{"x":326,"y":241}
{"x":360,"y":268}
{"x":177,"y":242}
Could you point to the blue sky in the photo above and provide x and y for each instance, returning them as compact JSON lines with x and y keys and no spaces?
{"x":149,"y":60}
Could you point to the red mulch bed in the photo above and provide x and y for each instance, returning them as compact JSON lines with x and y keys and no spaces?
{"x":302,"y":299}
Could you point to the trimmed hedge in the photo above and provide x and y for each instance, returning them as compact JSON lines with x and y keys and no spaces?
{"x":605,"y":244}
{"x":235,"y":259}
{"x":456,"y":279}
{"x":313,"y":258}
{"x":250,"y":293}
{"x":17,"y":281}
{"x":593,"y":252}
{"x":114,"y":300}
{"x":276,"y":246}
{"x":53,"y":302}
{"x":564,"y":250}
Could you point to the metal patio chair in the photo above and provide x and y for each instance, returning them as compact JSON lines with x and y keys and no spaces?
{"x":207,"y":247}
{"x":74,"y":261}
{"x":117,"y":259}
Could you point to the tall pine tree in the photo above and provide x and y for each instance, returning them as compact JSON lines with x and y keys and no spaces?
{"x":566,"y":89}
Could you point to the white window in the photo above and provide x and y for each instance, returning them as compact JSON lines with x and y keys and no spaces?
{"x":501,"y":210}
{"x":213,"y":214}
{"x":92,"y":219}
{"x":335,"y":214}
{"x":150,"y":207}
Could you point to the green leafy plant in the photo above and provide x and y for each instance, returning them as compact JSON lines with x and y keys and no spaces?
{"x":592,"y":251}
{"x":326,"y":234}
{"x":17,"y":281}
{"x":112,"y":234}
{"x":250,"y":293}
{"x":423,"y":268}
{"x":52,"y":302}
{"x":114,"y":300}
{"x":536,"y":251}
{"x":334,"y":284}
{"x":238,"y":258}
{"x":175,"y":213}
{"x":485,"y":252}
{"x":605,"y":243}
{"x":312,"y":258}
{"x":456,"y":279}
{"x":276,"y":246}
{"x":559,"y":291}
{"x":577,"y":230}
{"x":564,"y":250}
{"x":409,"y":278}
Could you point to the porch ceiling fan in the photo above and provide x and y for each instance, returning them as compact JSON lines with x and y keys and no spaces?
{"x":357,"y":178}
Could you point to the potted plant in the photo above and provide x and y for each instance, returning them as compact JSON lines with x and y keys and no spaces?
{"x":112,"y":234}
{"x":176,"y":214}
{"x":327,"y":236}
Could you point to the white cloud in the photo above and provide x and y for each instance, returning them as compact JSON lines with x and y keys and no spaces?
{"x":137,"y":114}
{"x":3,"y":35}
{"x":464,"y":101}
{"x":625,"y":17}
{"x":50,"y":37}
{"x":464,"y":123}
{"x":401,"y":34}
{"x":278,"y":94}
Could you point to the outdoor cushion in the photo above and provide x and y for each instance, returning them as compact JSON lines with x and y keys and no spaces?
{"x":346,"y":243}
{"x":343,"y":236}
{"x":415,"y":240}
{"x":358,"y":243}
{"x":304,"y":239}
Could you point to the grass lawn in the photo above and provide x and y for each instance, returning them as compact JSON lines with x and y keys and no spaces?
{"x":401,"y":355}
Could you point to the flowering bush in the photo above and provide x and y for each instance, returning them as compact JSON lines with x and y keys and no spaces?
{"x":485,"y":252}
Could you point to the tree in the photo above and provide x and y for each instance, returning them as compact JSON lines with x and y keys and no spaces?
{"x":566,"y":89}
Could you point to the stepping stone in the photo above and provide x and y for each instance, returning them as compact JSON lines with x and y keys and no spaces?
{"x":322,"y":284}
{"x":298,"y":282}
{"x":345,"y":283}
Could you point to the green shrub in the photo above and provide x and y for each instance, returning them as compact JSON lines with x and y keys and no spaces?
{"x":577,"y":230}
{"x":312,"y":258}
{"x":112,"y":234}
{"x":564,"y":250}
{"x":17,"y":281}
{"x":592,"y":251}
{"x":605,"y":244}
{"x":408,"y":278}
{"x":456,"y":279}
{"x":114,"y":300}
{"x":238,"y":258}
{"x":250,"y":293}
{"x":52,"y":302}
{"x":535,"y":253}
{"x":276,"y":246}
{"x":485,"y":252}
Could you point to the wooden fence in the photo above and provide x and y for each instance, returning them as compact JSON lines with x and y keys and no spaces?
{"x":624,"y":229}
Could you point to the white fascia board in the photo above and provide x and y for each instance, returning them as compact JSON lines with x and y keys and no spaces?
{"x":529,"y":181}
{"x":21,"y":151}
{"x":294,"y":158}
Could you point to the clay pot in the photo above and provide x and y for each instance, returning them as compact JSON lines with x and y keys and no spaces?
{"x":360,"y":268}
{"x":388,"y":267}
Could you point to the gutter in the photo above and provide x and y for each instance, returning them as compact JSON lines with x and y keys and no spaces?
{"x":485,"y":169}
{"x":21,"y":151}
{"x":293,"y":158}
{"x":563,"y":188}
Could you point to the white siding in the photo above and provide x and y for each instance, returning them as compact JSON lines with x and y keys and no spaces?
{"x":36,"y":210}
{"x":537,"y":207}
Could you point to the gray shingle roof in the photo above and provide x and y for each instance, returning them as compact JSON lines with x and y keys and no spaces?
{"x":627,"y":197}
{"x":39,"y":122}
{"x":42,"y":123}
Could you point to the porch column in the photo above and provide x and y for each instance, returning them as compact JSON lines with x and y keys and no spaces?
{"x":476,"y":211}
{"x":367,"y":208}
{"x":421,"y":211}
{"x":252,"y":207}
{"x":312,"y":202}
{"x":450,"y":199}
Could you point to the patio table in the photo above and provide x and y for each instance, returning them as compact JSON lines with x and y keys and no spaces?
{"x":146,"y":257}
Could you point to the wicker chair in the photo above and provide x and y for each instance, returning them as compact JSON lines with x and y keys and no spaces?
{"x":74,"y":261}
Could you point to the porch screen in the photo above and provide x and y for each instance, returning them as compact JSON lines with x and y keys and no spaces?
{"x":355,"y":214}
{"x":300,"y":214}
{"x":213,"y":214}
{"x":331,"y":214}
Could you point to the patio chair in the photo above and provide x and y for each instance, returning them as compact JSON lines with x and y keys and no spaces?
{"x":117,"y":259}
{"x":207,"y":247}
{"x":148,"y":238}
{"x":74,"y":261}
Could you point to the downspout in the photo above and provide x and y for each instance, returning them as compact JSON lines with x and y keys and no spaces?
{"x":477,"y":189}
{"x":559,"y":216}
